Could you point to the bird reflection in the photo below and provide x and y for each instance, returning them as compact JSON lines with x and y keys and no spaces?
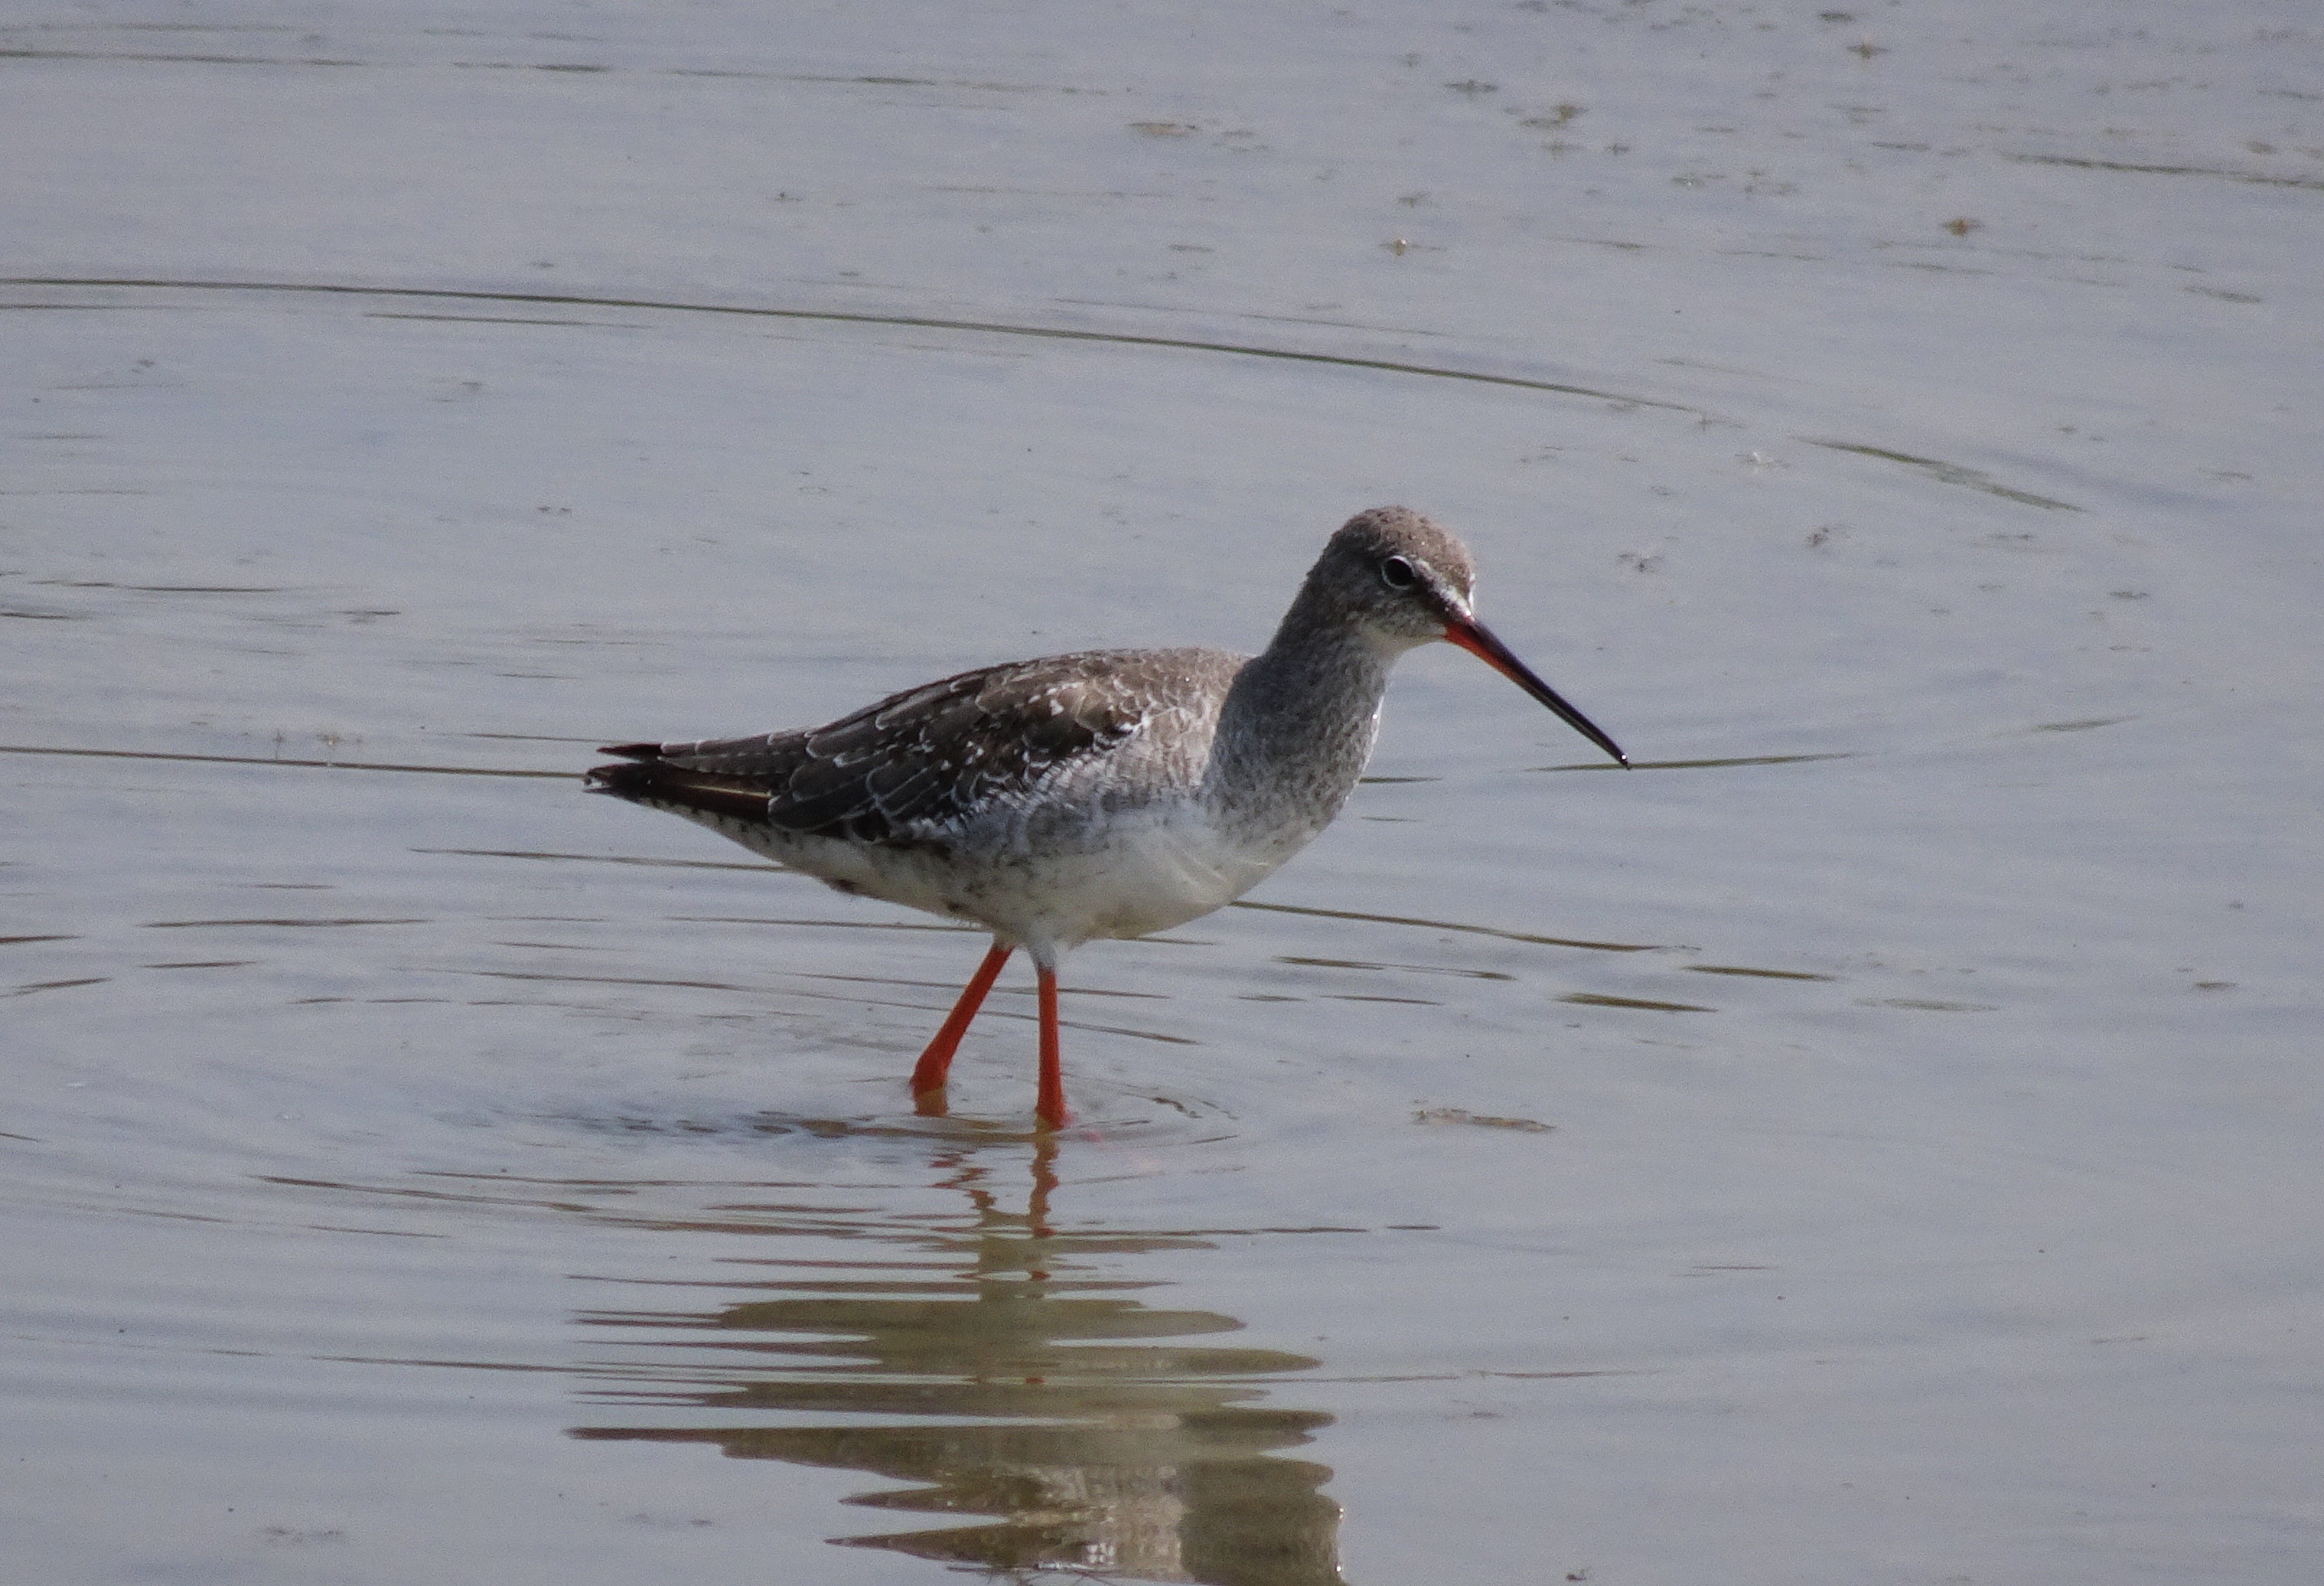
{"x":1047,"y":1397}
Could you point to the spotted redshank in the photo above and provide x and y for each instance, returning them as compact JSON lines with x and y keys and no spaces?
{"x":1112,"y":793}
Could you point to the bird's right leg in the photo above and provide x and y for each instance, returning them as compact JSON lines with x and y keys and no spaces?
{"x":1050,"y":1108}
{"x":935,"y":1062}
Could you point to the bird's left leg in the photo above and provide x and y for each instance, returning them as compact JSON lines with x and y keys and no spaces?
{"x":935,"y":1062}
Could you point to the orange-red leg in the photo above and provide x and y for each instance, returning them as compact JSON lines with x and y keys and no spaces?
{"x":1051,"y":1106}
{"x":935,"y":1062}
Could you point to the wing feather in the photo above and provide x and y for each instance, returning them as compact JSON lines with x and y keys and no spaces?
{"x":908,"y":767}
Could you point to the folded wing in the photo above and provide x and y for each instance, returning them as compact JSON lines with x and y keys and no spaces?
{"x":914,"y":765}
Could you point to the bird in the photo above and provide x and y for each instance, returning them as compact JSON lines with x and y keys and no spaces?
{"x":1106,"y":793}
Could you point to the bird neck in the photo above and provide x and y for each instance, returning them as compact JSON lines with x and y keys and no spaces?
{"x":1297,"y":727}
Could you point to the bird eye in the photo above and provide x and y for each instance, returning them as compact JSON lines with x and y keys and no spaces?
{"x":1398,"y":573}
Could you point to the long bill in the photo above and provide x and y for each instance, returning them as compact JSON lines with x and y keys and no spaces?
{"x":1476,"y":638}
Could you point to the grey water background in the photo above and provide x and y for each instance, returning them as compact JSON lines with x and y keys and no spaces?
{"x":1874,"y":1141}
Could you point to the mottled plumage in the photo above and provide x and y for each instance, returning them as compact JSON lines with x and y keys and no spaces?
{"x":908,"y":770}
{"x":1112,"y":793}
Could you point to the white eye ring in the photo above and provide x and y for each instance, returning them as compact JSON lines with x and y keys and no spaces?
{"x":1398,"y":573}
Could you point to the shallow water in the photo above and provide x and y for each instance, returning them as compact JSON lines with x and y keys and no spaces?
{"x":1874,"y":1140}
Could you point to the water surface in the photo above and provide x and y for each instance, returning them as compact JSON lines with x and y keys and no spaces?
{"x":1873,"y":1140}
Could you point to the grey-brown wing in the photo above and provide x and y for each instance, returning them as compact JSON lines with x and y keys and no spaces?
{"x":917,"y":762}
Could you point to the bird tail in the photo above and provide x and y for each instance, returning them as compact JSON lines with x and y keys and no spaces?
{"x":644,"y":778}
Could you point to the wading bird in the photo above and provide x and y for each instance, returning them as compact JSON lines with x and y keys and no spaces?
{"x":1108,"y":793}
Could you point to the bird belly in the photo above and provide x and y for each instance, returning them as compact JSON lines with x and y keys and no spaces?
{"x":1130,"y":873}
{"x":1145,"y":871}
